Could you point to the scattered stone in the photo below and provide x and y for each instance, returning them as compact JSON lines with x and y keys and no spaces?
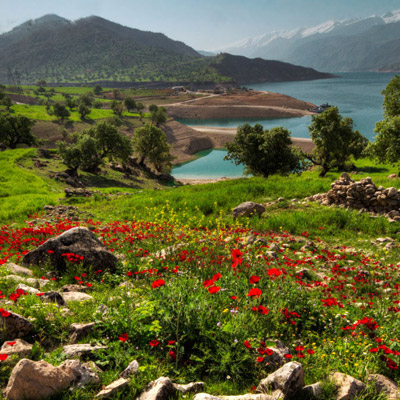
{"x":74,"y":288}
{"x":160,"y":389}
{"x":27,"y":289}
{"x":78,"y":192}
{"x":248,"y":209}
{"x":78,"y":331}
{"x":205,"y":396}
{"x":112,"y":388}
{"x":83,"y":373}
{"x":385,"y":385}
{"x":288,"y":379}
{"x":16,"y":347}
{"x":18,"y":270}
{"x":15,"y":278}
{"x":16,"y":326}
{"x":131,"y":369}
{"x":77,"y":296}
{"x":248,"y":396}
{"x":80,"y":241}
{"x":54,"y":297}
{"x":36,"y":380}
{"x":348,"y":387}
{"x":193,"y":387}
{"x":392,"y":176}
{"x":313,"y":391}
{"x":72,"y":350}
{"x":277,"y":358}
{"x":281,"y":199}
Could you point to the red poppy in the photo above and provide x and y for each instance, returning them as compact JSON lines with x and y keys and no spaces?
{"x":129,"y":273}
{"x":11,"y":343}
{"x":254,"y":279}
{"x":269,"y":352}
{"x":214,"y":289}
{"x":247,"y":344}
{"x":274,"y":272}
{"x":216,"y":277}
{"x":255,"y":293}
{"x":299,"y":348}
{"x":172,"y":355}
{"x":154,"y":343}
{"x":300,"y":355}
{"x":124,"y":337}
{"x":310,"y":351}
{"x":171,"y":342}
{"x":288,"y":356}
{"x":158,"y":283}
{"x":3,"y":357}
{"x":260,"y":359}
{"x":374,"y":350}
{"x":208,"y":282}
{"x":39,"y":294}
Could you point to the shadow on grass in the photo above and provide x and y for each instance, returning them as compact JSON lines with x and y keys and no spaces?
{"x":371,"y":169}
{"x":103,"y":182}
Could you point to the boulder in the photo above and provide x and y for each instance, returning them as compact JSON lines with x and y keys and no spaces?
{"x":193,"y":387}
{"x":79,"y":241}
{"x":18,"y":270}
{"x":17,"y":347}
{"x":72,"y":350}
{"x":73,"y":288}
{"x":83,"y":374}
{"x":248,"y":209}
{"x":348,"y":387}
{"x":77,"y":296}
{"x":131,"y":369}
{"x":54,"y":297}
{"x":27,"y":289}
{"x":112,"y":388}
{"x":277,"y":358}
{"x":37,"y":380}
{"x":288,"y":379}
{"x":160,"y":389}
{"x":313,"y":391}
{"x":385,"y":385}
{"x":15,"y":326}
{"x":249,"y":396}
{"x":205,"y":396}
{"x":78,"y":331}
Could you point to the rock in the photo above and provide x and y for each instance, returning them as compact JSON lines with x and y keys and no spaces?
{"x":83,"y":374}
{"x":16,"y":326}
{"x":160,"y":389}
{"x":72,"y":350}
{"x":18,"y":270}
{"x":79,"y":192}
{"x":77,"y":296}
{"x":193,"y":387}
{"x":248,"y":396}
{"x":248,"y":209}
{"x":78,"y":331}
{"x":277,"y":358}
{"x":54,"y":297}
{"x":80,"y":241}
{"x":36,"y":380}
{"x":131,"y":369}
{"x":112,"y":388}
{"x":385,"y":385}
{"x":74,"y":288}
{"x":313,"y":391}
{"x":392,"y":176}
{"x":27,"y":289}
{"x":288,"y":379}
{"x":348,"y":387}
{"x":205,"y":396}
{"x":15,"y":278}
{"x":17,"y":347}
{"x":281,"y":199}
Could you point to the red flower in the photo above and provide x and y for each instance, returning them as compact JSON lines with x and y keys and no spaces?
{"x":274,"y":272}
{"x":255,"y":293}
{"x":154,"y":343}
{"x":310,"y":351}
{"x":3,"y":357}
{"x":260,"y":359}
{"x":299,"y":348}
{"x":254,"y":279}
{"x":247,"y":344}
{"x":216,"y":277}
{"x":214,"y":289}
{"x":236,"y":253}
{"x":208,"y":282}
{"x":124,"y":337}
{"x":269,"y":352}
{"x":129,"y":273}
{"x":158,"y":283}
{"x":39,"y":294}
{"x":374,"y":350}
{"x":172,"y":354}
{"x":171,"y":342}
{"x":11,"y":343}
{"x":233,"y":297}
{"x":288,"y":356}
{"x":300,"y":355}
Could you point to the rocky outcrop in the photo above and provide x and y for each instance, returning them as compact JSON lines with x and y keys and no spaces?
{"x":72,"y":350}
{"x":15,"y":326}
{"x":112,"y":388}
{"x":385,"y":385}
{"x":248,"y":209}
{"x":348,"y":387}
{"x":17,"y":348}
{"x":77,"y":241}
{"x":78,"y":331}
{"x":363,"y":195}
{"x":131,"y":369}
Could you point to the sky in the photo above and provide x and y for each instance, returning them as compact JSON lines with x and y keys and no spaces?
{"x":202,"y":24}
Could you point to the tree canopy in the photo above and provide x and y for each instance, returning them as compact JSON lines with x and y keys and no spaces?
{"x":15,"y":130}
{"x":264,"y":152}
{"x":335,"y":140}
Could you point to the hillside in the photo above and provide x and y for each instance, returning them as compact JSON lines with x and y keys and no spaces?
{"x":369,"y":44}
{"x":97,"y":50}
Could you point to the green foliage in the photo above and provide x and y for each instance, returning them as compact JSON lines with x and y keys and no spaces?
{"x":153,"y":108}
{"x":15,"y":130}
{"x":60,"y":111}
{"x":6,"y":102}
{"x":335,"y":140}
{"x":391,"y":102}
{"x":264,"y":152}
{"x":83,"y":110}
{"x":158,"y":116}
{"x":130,"y":103}
{"x":71,"y":102}
{"x":150,"y":143}
{"x":117,"y":107}
{"x":86,"y":99}
{"x":97,"y":90}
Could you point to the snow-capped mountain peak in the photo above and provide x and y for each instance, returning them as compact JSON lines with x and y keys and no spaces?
{"x":391,"y":17}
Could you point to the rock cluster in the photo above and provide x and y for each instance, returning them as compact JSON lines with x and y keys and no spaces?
{"x":363,"y":195}
{"x":247,"y":209}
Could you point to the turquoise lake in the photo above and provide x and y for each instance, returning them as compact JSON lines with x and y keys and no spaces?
{"x":358,"y":96}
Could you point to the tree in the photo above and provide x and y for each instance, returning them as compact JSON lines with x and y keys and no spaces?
{"x":71,"y":102}
{"x":150,"y":143}
{"x":391,"y":101}
{"x":97,"y":89}
{"x":71,"y":156}
{"x":335,"y":140}
{"x":264,"y":152}
{"x":130,"y":103}
{"x":60,"y":111}
{"x":86,"y":99}
{"x":159,"y":116}
{"x":116,"y":94}
{"x":83,"y":110}
{"x":15,"y":130}
{"x":6,"y":101}
{"x":117,"y":108}
{"x":153,"y":108}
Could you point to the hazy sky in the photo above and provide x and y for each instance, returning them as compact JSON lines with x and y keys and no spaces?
{"x":202,"y":24}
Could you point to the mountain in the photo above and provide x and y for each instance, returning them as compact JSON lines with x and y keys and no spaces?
{"x":94,"y":49}
{"x":369,"y":44}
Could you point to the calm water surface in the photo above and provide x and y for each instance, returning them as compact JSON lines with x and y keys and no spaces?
{"x":358,"y":96}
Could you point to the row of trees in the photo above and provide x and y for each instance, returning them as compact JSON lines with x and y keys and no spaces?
{"x":266,"y":152}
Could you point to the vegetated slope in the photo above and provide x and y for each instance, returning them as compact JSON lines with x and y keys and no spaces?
{"x":369,"y":44}
{"x":96,"y":50}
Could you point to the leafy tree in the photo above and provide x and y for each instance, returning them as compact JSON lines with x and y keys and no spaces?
{"x":116,"y":94}
{"x":153,"y":108}
{"x":98,"y":104}
{"x":117,"y":108}
{"x":86,"y":99}
{"x":150,"y":143}
{"x":90,"y":155}
{"x":97,"y":89}
{"x":41,"y":83}
{"x":391,"y":102}
{"x":60,"y":111}
{"x":130,"y":103}
{"x":83,"y":110}
{"x":264,"y":152}
{"x":6,"y":101}
{"x":335,"y":140}
{"x":15,"y":130}
{"x":71,"y":156}
{"x":71,"y":102}
{"x":158,"y":116}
